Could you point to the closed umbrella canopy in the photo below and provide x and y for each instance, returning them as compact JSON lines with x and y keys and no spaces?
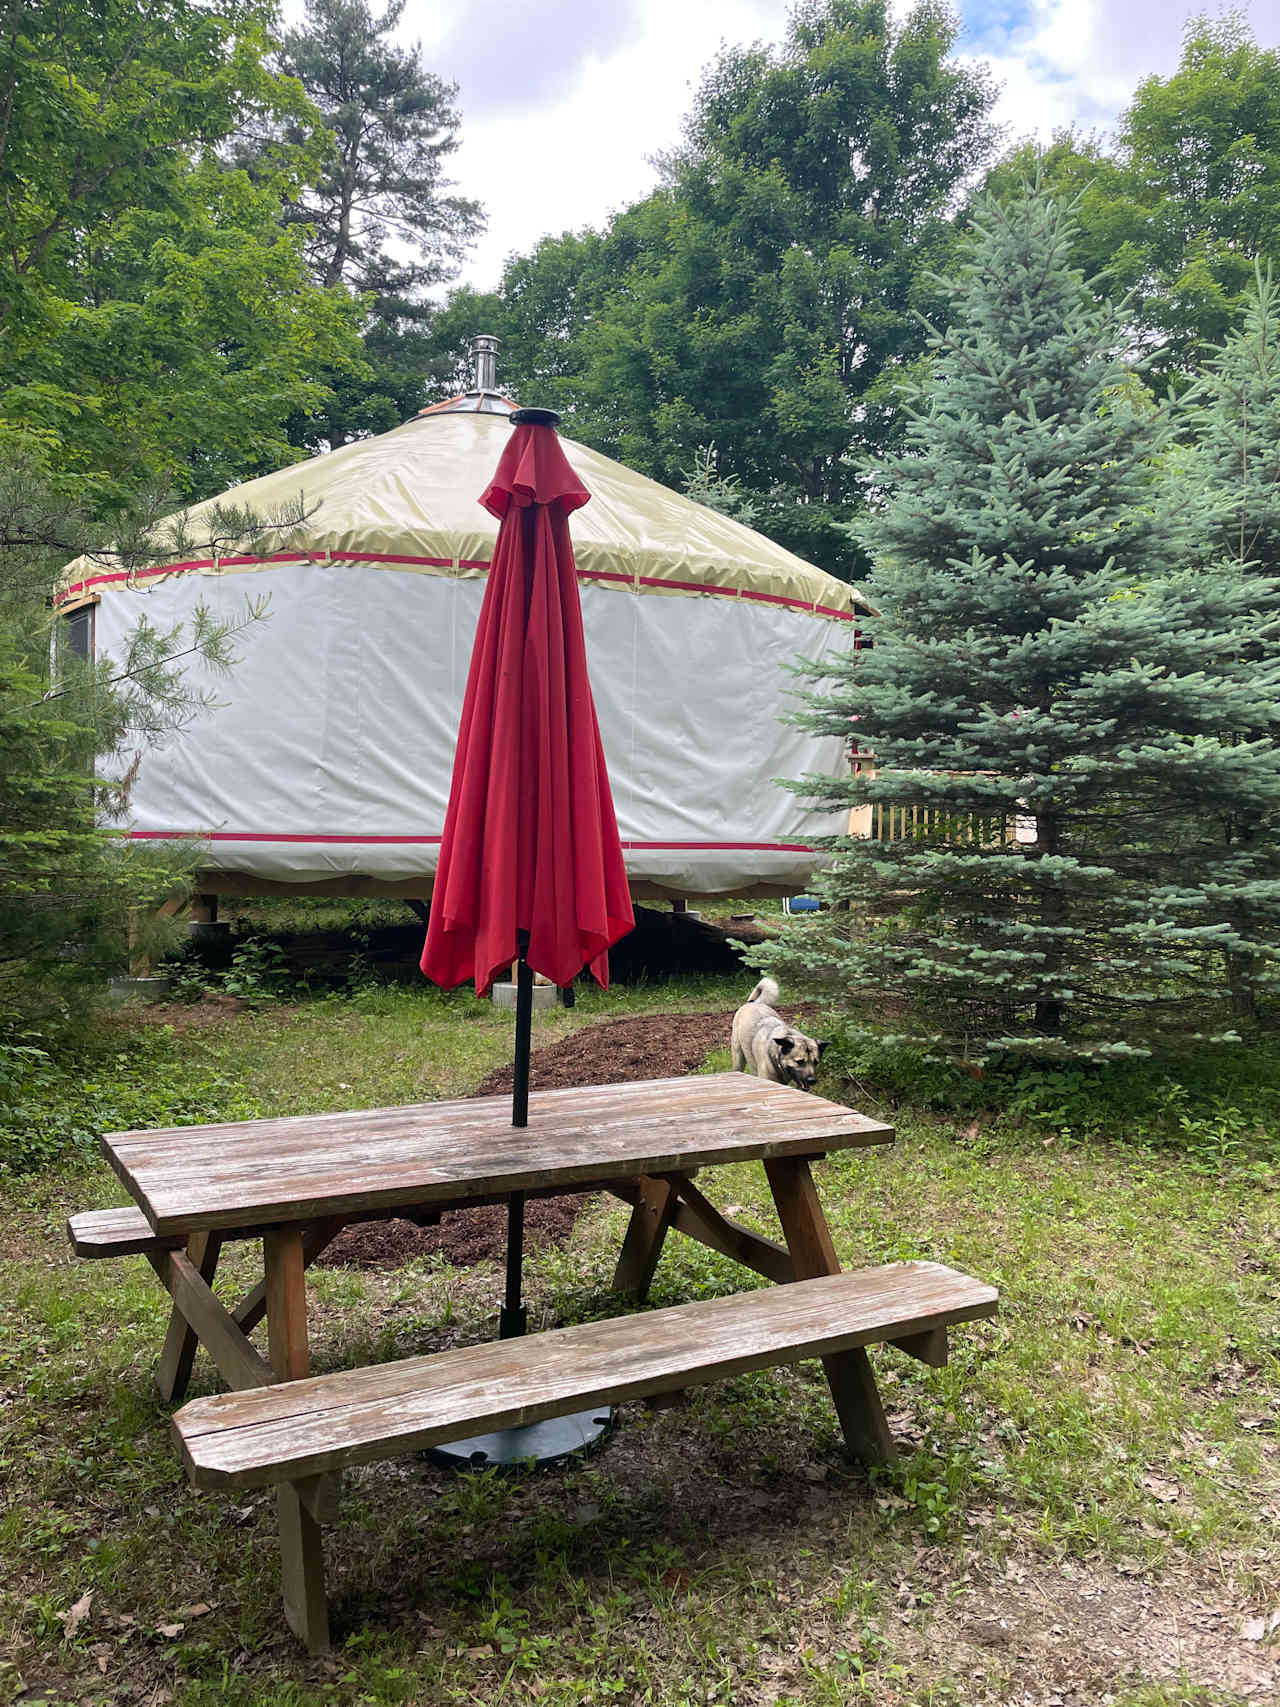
{"x":530,"y":847}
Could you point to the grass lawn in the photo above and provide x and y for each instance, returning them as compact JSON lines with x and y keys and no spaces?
{"x":1085,"y":1512}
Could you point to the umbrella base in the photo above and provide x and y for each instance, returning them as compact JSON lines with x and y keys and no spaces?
{"x":537,"y":1444}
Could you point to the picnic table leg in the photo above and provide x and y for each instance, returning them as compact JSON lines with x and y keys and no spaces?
{"x":306,"y":1608}
{"x":651,"y":1215}
{"x":284,"y":1277}
{"x":853,"y":1385}
{"x":178,"y":1354}
{"x":301,"y":1539}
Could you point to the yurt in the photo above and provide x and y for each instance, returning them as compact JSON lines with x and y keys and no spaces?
{"x":324,"y":765}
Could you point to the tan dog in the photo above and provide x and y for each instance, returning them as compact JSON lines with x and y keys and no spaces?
{"x":764,"y":1044}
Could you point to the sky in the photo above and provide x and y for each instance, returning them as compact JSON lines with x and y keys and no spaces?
{"x":565,"y":102}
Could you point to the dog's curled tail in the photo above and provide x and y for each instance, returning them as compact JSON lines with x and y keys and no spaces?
{"x":766,"y":991}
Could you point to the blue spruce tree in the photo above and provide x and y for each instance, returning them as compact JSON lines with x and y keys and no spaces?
{"x":1055,"y":698}
{"x":1234,"y":417}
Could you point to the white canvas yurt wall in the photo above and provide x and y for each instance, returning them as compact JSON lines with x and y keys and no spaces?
{"x":325,"y":766}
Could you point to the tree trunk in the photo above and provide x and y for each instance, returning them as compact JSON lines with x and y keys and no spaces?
{"x":342,"y":246}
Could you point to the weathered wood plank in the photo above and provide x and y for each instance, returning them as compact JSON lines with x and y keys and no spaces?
{"x":303,"y":1428}
{"x":700,"y":1219}
{"x":123,"y":1232}
{"x":309,"y":1168}
{"x":930,"y":1348}
{"x":237,"y":1362}
{"x":315,"y":1239}
{"x":849,"y":1373}
{"x":302,"y":1565}
{"x":178,"y":1353}
{"x":652,"y":1209}
{"x":285,"y":1282}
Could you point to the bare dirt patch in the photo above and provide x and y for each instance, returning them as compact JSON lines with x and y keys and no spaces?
{"x":214,"y":1008}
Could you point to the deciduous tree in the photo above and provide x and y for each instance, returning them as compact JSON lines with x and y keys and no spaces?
{"x":1170,"y":218}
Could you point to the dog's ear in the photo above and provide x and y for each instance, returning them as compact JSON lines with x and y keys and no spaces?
{"x":786,"y":1045}
{"x":823,"y":1045}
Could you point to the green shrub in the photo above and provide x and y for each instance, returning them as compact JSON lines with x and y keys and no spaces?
{"x":56,"y":1102}
{"x":1216,"y":1104}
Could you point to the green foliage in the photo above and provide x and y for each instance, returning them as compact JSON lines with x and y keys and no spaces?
{"x":161,"y":329}
{"x":72,"y":893}
{"x":705,"y":484}
{"x":161,"y":321}
{"x":66,"y":886}
{"x":1051,"y":655}
{"x":1233,"y":420}
{"x":1215,"y":1107}
{"x":55,"y":1103}
{"x":257,"y":974}
{"x":1171,"y":220}
{"x":379,"y":218}
{"x":764,"y":299}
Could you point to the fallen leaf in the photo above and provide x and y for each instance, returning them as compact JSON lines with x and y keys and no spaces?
{"x":477,"y":1653}
{"x":102,"y":1664}
{"x":1160,"y":1488}
{"x":169,"y":1631}
{"x":1258,"y":1629}
{"x":196,"y":1611}
{"x":75,"y":1615}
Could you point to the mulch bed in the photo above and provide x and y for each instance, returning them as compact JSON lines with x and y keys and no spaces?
{"x":647,"y":1046}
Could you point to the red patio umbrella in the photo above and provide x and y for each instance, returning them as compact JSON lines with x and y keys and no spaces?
{"x":531,"y":867}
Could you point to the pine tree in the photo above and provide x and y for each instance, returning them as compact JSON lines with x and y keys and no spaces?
{"x":1233,"y":416}
{"x":1054,"y":697}
{"x":383,"y":219}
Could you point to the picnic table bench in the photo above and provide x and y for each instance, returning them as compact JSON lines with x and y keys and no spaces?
{"x":296,"y":1182}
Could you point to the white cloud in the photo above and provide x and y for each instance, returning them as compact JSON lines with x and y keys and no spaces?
{"x":565,"y":102}
{"x":1077,"y":62}
{"x":605,"y":101}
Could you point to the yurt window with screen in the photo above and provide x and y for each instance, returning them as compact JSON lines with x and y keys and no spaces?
{"x":77,"y":632}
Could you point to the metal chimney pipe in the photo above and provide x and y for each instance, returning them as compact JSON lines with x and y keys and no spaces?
{"x":484,"y":349}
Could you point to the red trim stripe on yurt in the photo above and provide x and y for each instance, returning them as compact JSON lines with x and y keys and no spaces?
{"x":434,"y":841}
{"x":118,"y":575}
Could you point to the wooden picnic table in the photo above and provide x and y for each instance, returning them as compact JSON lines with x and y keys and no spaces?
{"x":295,"y":1183}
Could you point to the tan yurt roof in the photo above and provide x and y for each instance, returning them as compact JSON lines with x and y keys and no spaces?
{"x":408,"y":500}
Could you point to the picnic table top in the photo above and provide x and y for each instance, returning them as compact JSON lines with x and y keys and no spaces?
{"x":251,"y":1173}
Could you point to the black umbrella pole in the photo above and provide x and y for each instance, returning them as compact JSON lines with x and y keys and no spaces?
{"x":524,"y":1034}
{"x":513,"y":1317}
